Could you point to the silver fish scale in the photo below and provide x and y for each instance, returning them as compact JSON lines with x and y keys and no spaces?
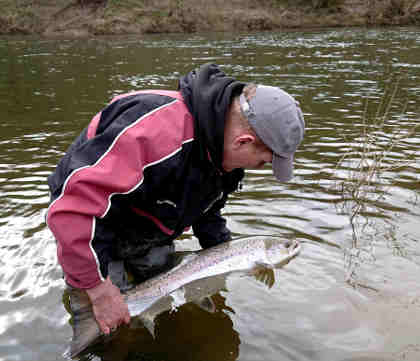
{"x":228,"y":257}
{"x":198,"y":276}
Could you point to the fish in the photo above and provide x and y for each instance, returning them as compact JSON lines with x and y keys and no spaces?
{"x":197,"y":276}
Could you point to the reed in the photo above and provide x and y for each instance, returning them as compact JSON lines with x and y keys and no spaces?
{"x":364,"y":176}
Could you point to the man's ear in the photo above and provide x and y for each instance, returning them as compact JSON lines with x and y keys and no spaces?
{"x":243,"y":139}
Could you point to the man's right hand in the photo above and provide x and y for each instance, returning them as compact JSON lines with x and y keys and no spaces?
{"x":108,"y":305}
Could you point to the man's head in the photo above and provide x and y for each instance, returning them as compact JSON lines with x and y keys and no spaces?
{"x":269,"y":126}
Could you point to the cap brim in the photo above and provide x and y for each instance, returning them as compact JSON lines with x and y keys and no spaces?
{"x":282,"y":167}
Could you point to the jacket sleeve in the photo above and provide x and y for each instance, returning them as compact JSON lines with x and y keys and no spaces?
{"x":111,"y":163}
{"x":211,"y":228}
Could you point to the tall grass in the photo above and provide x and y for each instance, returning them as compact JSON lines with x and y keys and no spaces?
{"x":364,"y":175}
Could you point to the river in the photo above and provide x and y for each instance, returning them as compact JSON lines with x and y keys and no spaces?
{"x":354,"y":291}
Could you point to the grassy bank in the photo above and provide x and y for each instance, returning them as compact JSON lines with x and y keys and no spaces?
{"x":100,"y":17}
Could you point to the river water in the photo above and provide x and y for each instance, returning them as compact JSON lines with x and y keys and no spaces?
{"x":352,"y":294}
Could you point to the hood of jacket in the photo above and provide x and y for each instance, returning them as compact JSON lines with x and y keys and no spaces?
{"x":208,"y":93}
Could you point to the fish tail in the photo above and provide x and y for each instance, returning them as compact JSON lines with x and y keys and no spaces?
{"x":85,"y":327}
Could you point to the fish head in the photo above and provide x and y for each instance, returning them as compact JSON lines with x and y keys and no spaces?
{"x":280,"y":251}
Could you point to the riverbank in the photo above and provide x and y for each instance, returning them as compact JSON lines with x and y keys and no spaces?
{"x":107,"y":17}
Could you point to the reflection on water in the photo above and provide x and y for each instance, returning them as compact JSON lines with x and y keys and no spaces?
{"x":179,"y":336}
{"x":49,"y":90}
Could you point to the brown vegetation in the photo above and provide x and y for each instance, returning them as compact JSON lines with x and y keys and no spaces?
{"x":95,"y":17}
{"x":363,"y":183}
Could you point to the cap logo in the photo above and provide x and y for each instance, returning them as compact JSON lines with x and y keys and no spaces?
{"x":245,"y":107}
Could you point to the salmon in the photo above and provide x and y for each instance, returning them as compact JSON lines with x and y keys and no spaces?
{"x":196,"y":277}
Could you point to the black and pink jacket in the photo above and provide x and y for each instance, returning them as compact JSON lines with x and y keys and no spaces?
{"x":135,"y":174}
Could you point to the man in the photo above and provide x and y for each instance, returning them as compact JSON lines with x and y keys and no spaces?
{"x":154,"y":163}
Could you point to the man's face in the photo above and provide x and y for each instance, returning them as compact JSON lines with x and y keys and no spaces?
{"x":246,"y":152}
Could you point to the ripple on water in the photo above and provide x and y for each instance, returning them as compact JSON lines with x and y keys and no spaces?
{"x":340,"y":77}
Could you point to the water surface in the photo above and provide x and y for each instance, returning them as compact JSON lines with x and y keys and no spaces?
{"x":50,"y":89}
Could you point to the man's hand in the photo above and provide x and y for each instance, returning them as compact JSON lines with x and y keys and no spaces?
{"x":108,"y":305}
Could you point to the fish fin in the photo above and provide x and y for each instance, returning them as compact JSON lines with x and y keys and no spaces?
{"x":206,"y":304}
{"x":178,"y":298}
{"x":264,"y":273}
{"x":85,"y":328}
{"x":148,"y":322}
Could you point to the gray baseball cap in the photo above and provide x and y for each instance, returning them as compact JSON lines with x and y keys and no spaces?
{"x":277,"y":119}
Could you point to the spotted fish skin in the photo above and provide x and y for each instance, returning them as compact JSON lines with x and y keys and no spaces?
{"x":195,"y":278}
